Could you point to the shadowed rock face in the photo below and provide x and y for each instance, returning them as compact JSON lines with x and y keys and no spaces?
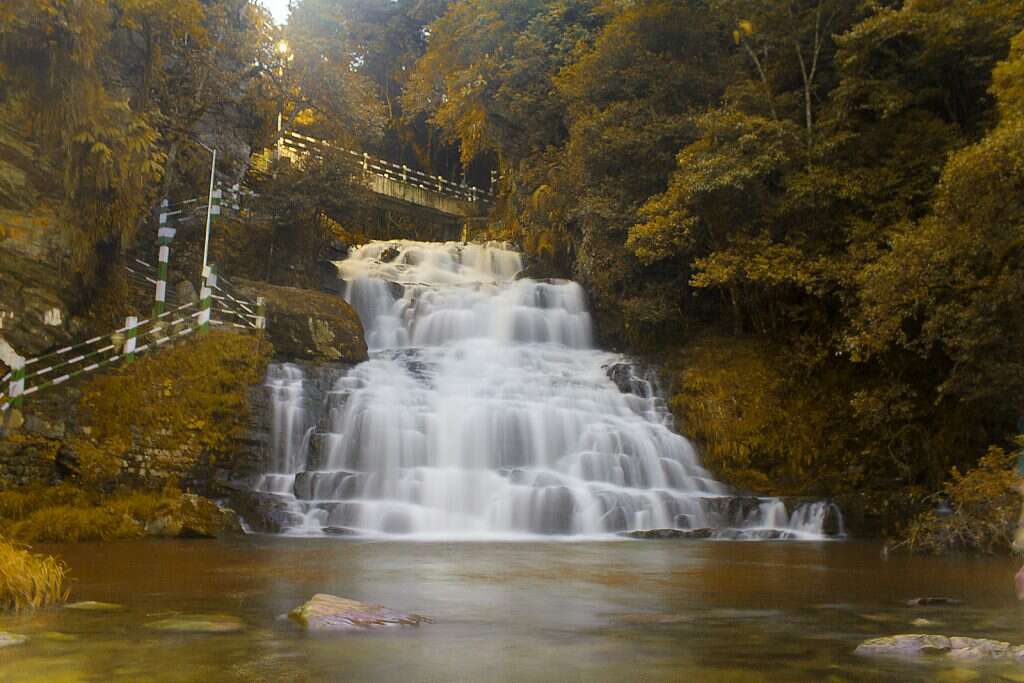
{"x":306,"y":325}
{"x":330,"y":613}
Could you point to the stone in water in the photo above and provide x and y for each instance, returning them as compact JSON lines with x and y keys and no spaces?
{"x":331,"y":613}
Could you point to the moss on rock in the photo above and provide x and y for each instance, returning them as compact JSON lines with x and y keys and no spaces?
{"x":308,"y":325}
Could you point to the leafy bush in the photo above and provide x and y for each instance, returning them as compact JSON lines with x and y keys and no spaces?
{"x":29,"y":580}
{"x":984,"y":503}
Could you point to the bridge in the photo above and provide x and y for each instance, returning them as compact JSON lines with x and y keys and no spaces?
{"x":394,"y":182}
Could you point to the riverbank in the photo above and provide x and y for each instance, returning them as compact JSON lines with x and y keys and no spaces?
{"x":596,"y":611}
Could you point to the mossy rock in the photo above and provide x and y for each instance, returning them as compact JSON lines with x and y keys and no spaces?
{"x":305,"y":324}
{"x":198,"y":623}
{"x":193,"y":516}
{"x":94,"y":606}
{"x":330,"y":613}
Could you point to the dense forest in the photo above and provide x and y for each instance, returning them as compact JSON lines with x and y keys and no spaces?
{"x":813,"y":210}
{"x":809,"y":214}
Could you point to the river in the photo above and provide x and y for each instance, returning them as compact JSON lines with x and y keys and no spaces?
{"x":532,"y":611}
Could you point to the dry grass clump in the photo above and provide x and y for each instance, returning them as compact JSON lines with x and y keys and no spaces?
{"x":68,"y":524}
{"x":29,"y":580}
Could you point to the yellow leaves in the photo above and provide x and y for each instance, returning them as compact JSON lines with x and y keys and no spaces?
{"x":100,"y":149}
{"x":744,"y":28}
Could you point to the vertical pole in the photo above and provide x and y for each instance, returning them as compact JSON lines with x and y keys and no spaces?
{"x":366,"y":161}
{"x":16,"y":388}
{"x":261,"y":313}
{"x":440,"y":188}
{"x":131,"y":322}
{"x":405,"y":173}
{"x":209,"y":210}
{"x":206,"y":297}
{"x":161,"y":277}
{"x":280,"y":137}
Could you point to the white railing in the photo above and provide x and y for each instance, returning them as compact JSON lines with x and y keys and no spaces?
{"x":135,"y":337}
{"x":304,"y":144}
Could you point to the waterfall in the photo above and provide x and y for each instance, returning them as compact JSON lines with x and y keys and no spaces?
{"x":485,"y":411}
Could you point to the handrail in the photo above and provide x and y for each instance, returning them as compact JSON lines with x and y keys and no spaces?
{"x":388,"y":169}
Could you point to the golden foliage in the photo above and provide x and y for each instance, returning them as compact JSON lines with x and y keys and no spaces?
{"x":983,"y":504}
{"x":757,"y":428}
{"x":192,"y":395}
{"x":68,"y":514}
{"x":29,"y":580}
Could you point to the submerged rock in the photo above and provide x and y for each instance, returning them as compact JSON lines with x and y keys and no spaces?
{"x":330,"y":613}
{"x":669,"y":533}
{"x":11,"y":639}
{"x":94,"y":606}
{"x":911,"y":644}
{"x":931,"y":602}
{"x":198,"y":623}
{"x":956,"y":647}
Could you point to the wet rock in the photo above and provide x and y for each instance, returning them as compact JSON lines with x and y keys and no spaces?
{"x":198,"y":623}
{"x":193,"y":516}
{"x":389,"y":254}
{"x":263,"y":512}
{"x":330,"y":613}
{"x":832,"y":524}
{"x":931,"y":602}
{"x":913,"y":644}
{"x":94,"y":606}
{"x":11,"y":639}
{"x":956,"y":647}
{"x":340,"y":531}
{"x":924,"y":622}
{"x":60,"y":637}
{"x":669,"y":533}
{"x":979,"y":648}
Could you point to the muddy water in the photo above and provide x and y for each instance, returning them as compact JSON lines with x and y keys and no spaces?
{"x":630,"y":610}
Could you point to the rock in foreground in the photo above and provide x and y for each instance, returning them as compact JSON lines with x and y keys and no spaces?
{"x":198,"y":623}
{"x":11,"y":639}
{"x":94,"y":606}
{"x":956,"y":647}
{"x":331,"y":613}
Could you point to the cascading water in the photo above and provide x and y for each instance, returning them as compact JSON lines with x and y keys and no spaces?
{"x":485,"y":411}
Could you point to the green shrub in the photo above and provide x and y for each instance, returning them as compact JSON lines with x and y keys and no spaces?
{"x":984,"y":504}
{"x":29,"y":580}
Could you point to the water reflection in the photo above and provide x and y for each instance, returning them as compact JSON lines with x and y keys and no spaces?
{"x":515,"y":611}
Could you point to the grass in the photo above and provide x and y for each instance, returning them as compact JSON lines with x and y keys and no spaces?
{"x":68,"y":514}
{"x":29,"y":580}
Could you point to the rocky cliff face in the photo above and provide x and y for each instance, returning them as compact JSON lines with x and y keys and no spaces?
{"x":34,"y":297}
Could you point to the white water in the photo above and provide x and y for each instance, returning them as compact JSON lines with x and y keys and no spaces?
{"x":485,"y":411}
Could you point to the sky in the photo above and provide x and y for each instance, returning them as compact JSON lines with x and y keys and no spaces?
{"x":279,"y":8}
